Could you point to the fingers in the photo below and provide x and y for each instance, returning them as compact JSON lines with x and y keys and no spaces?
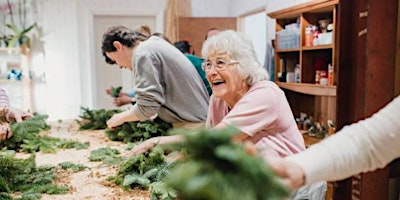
{"x":9,"y":133}
{"x":5,"y":132}
{"x":108,"y":91}
{"x":113,"y":122}
{"x":18,"y":118}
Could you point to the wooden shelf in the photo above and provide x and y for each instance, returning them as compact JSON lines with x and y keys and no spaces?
{"x":295,"y":11}
{"x":308,"y":88}
{"x":317,"y":47}
{"x":287,"y":50}
{"x":13,"y":49}
{"x":310,"y":140}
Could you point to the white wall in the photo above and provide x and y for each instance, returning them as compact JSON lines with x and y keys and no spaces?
{"x":68,"y":43}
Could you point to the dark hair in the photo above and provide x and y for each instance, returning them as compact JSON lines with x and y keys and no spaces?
{"x":122,"y":34}
{"x":183,"y":46}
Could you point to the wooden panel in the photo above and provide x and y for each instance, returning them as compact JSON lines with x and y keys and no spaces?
{"x":194,"y":29}
{"x":397,"y":72}
{"x":366,"y":57}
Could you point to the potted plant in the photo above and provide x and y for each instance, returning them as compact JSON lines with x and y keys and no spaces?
{"x":20,"y":37}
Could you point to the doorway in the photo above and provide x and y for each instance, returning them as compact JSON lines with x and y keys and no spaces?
{"x":107,"y":76}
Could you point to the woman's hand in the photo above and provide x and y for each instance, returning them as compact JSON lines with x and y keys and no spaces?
{"x":17,"y":115}
{"x":291,"y":173}
{"x":143,"y":147}
{"x":5,"y":131}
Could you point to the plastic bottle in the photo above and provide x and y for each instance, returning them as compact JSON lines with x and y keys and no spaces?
{"x":297,"y":74}
{"x":330,"y":74}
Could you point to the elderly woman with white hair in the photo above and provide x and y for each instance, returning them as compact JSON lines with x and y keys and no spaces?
{"x":244,"y":97}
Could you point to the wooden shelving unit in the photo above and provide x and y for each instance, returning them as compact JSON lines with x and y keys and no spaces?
{"x":307,"y":96}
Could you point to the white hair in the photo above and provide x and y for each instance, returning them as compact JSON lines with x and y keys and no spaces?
{"x":240,"y":47}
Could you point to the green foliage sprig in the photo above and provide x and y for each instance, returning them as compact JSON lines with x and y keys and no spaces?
{"x":139,"y":131}
{"x":26,"y":138}
{"x":115,"y":91}
{"x":25,"y":131}
{"x":142,"y":170}
{"x":107,"y":155}
{"x":95,"y":119}
{"x":22,"y":175}
{"x":74,"y":167}
{"x":217,"y":168}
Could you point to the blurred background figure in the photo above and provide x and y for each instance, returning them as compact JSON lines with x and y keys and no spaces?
{"x":185,"y":47}
{"x":211,"y":32}
{"x":144,"y":30}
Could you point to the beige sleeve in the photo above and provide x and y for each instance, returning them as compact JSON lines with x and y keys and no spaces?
{"x":361,"y":147}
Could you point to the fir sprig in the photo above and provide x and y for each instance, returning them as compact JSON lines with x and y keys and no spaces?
{"x":217,"y":168}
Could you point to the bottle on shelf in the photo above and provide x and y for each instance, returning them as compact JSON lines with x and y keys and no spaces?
{"x":297,"y":74}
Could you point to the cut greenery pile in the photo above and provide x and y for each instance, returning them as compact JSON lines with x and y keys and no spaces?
{"x":26,"y":138}
{"x":23,"y":177}
{"x":127,"y":132}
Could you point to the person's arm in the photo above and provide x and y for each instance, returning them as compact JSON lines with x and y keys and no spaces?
{"x":152,"y":142}
{"x":361,"y":147}
{"x":123,"y":100}
{"x":120,"y":118}
{"x":3,"y":98}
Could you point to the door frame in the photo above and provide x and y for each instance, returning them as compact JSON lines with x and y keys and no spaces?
{"x":86,"y":15}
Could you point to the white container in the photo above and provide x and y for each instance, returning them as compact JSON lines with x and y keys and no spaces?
{"x":323,"y":81}
{"x":297,"y":74}
{"x":290,"y":77}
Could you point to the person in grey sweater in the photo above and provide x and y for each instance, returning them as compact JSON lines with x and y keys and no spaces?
{"x":166,"y":85}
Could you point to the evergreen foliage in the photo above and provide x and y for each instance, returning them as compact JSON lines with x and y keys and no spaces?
{"x":107,"y":155}
{"x":142,"y":170}
{"x":74,"y":167}
{"x":217,"y":168}
{"x":115,"y":91}
{"x":95,"y":119}
{"x":25,"y":137}
{"x":25,"y":131}
{"x":22,"y":175}
{"x":139,"y":131}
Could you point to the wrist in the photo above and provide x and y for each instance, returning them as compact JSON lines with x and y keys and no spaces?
{"x":156,"y":141}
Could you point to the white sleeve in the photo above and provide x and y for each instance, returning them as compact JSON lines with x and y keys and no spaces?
{"x":361,"y":147}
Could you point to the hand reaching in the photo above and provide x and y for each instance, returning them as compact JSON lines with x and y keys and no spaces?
{"x":17,"y":115}
{"x":115,"y":120}
{"x":291,"y":173}
{"x":122,"y":100}
{"x":143,"y":147}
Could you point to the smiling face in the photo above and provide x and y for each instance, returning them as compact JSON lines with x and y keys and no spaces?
{"x":226,"y":82}
{"x":122,"y":56}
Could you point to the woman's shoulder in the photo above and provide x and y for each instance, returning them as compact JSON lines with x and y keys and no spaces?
{"x":265,"y":85}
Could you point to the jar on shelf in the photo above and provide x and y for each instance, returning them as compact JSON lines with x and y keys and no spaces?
{"x":309,"y":36}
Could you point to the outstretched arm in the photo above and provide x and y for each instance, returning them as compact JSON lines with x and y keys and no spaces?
{"x":361,"y":147}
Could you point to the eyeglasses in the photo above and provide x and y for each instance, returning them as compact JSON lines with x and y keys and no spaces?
{"x":219,"y":64}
